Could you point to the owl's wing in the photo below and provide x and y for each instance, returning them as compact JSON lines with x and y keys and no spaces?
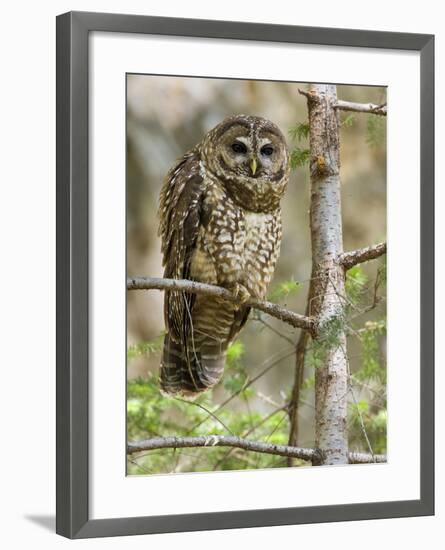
{"x":180,"y":212}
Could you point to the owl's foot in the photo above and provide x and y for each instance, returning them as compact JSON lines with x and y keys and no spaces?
{"x":241,"y":294}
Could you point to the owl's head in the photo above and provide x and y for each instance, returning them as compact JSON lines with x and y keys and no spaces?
{"x":250,"y":157}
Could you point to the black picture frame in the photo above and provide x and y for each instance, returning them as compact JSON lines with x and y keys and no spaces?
{"x":72,"y":514}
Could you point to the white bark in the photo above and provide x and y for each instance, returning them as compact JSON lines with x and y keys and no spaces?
{"x":326,"y":304}
{"x":361,"y":107}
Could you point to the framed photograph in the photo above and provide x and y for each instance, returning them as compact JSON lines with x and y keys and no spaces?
{"x":231,"y":321}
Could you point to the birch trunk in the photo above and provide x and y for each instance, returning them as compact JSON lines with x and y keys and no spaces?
{"x":326,"y":298}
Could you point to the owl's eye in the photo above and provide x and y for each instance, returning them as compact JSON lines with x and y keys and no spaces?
{"x":267,"y":150}
{"x":238,"y":147}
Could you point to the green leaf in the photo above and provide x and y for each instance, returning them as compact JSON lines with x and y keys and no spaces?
{"x":299,"y":157}
{"x":376,"y":131}
{"x":356,"y":280}
{"x":374,"y":424}
{"x":382,"y":272}
{"x":235,"y":383}
{"x":315,"y":357}
{"x":348,"y":121}
{"x":371,"y":367}
{"x":308,"y":383}
{"x":248,"y":392}
{"x":299,"y":131}
{"x":363,"y":406}
{"x":234,"y":353}
{"x":145,"y":348}
{"x":356,"y":276}
{"x":282,"y":290}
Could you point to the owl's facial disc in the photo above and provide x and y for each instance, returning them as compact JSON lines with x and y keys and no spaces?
{"x":249,"y":156}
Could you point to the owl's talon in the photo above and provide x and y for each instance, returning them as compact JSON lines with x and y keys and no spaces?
{"x":241,"y":293}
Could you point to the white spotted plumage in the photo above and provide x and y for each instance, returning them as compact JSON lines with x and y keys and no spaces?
{"x":220,"y":224}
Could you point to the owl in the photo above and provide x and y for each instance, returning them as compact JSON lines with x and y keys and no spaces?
{"x":220,"y":223}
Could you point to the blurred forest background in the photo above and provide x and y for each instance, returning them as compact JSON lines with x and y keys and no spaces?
{"x":167,"y":116}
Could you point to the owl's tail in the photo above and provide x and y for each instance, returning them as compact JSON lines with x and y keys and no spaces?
{"x":187,"y":370}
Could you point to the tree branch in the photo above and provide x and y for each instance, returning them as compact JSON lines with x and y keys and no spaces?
{"x":365,"y":458}
{"x":361,"y":107}
{"x":294,"y":409}
{"x":354,"y":257}
{"x":285,"y":315}
{"x":174,"y":442}
{"x":306,"y":94}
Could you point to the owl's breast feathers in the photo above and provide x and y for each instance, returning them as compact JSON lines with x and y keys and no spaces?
{"x":236,"y":245}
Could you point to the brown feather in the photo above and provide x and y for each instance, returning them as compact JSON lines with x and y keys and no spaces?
{"x":179,"y":211}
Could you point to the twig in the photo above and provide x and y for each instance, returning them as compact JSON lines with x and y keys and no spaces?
{"x":285,"y":315}
{"x":361,"y":107}
{"x":174,"y":442}
{"x":365,"y":458}
{"x":267,"y":399}
{"x":301,"y":350}
{"x":274,"y":330}
{"x":362,"y":424}
{"x":273,"y":362}
{"x":250,"y":431}
{"x":294,"y":410}
{"x":143,"y":468}
{"x":354,"y":257}
{"x":210,"y":413}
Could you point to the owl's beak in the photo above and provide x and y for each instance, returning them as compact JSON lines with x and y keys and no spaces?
{"x":253,"y":165}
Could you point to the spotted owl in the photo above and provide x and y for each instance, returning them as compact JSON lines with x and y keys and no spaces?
{"x":220,"y":223}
